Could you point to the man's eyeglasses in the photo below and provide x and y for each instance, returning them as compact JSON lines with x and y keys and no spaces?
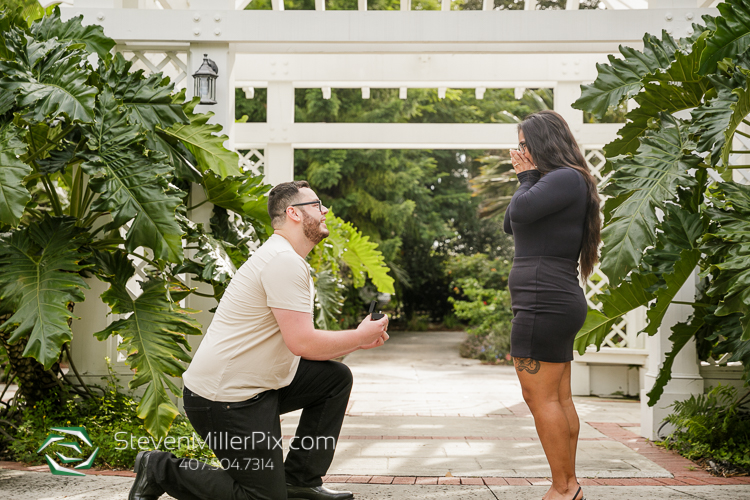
{"x":522,"y":147}
{"x":316,"y":202}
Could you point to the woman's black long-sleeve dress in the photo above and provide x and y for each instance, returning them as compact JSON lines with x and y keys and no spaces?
{"x":546,"y":218}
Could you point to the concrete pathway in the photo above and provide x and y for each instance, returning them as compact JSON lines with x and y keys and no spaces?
{"x":424,"y":423}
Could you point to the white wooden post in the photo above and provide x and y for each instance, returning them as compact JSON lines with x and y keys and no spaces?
{"x":686,"y":379}
{"x":280,"y":116}
{"x":566,"y":93}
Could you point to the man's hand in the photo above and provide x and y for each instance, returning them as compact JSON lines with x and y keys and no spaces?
{"x":380,"y":341}
{"x":373,"y":333}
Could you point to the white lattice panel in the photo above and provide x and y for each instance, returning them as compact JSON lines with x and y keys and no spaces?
{"x":252,"y":160}
{"x":741,"y":144}
{"x":170,"y":63}
{"x":619,"y":336}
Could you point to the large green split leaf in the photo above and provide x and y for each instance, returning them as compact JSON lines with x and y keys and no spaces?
{"x":677,"y":88}
{"x":148,"y":100}
{"x":731,"y":37}
{"x":623,"y":78}
{"x":716,"y":121}
{"x":644,"y":182}
{"x":200,"y":138}
{"x":217,"y":263}
{"x":359,"y":253}
{"x":39,"y":276}
{"x":732,"y":276}
{"x":48,"y":78}
{"x":13,"y":193}
{"x":72,"y":30}
{"x":329,"y":299}
{"x":132,"y":184}
{"x":243,"y":195}
{"x":615,"y":303}
{"x":677,"y":254}
{"x":154,"y":337}
{"x":682,"y":333}
{"x":9,"y":19}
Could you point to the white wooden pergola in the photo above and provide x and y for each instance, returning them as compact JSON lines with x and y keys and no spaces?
{"x":286,"y":50}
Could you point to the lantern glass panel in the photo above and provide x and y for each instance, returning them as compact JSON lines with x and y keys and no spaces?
{"x":205,"y":87}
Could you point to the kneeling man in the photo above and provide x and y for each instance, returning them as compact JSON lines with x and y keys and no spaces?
{"x":261,"y":357}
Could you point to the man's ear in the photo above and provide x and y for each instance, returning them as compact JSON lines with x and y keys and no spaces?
{"x":292,"y":214}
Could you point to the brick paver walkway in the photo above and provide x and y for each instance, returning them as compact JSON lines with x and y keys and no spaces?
{"x":424,"y":423}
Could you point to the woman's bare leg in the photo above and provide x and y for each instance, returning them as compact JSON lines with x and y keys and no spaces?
{"x":540,"y":383}
{"x":566,"y":400}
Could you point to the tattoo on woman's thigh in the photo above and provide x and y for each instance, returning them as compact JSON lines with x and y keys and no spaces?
{"x":527,"y":364}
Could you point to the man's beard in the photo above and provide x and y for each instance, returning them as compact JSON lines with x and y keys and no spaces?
{"x":312,"y":229}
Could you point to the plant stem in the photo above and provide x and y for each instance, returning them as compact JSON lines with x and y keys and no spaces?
{"x":78,"y":376}
{"x":694,"y":304}
{"x":745,"y":122}
{"x":199,"y":294}
{"x":51,"y":143}
{"x":108,"y":242}
{"x":3,"y":421}
{"x":739,"y":152}
{"x":737,"y":167}
{"x":89,"y":221}
{"x":52,"y":193}
{"x":7,"y":435}
{"x":742,"y":133}
{"x":10,"y":381}
{"x":196,"y":206}
{"x":143,"y":257}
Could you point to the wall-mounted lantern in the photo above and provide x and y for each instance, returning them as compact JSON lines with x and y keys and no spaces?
{"x":205,"y":81}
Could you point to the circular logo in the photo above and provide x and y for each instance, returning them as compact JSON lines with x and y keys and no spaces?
{"x":63,"y":442}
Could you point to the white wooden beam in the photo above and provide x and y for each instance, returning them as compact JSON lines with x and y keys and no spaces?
{"x":320,"y":4}
{"x":402,"y":135}
{"x":277,"y":4}
{"x":479,"y":92}
{"x":405,"y":5}
{"x":361,"y":5}
{"x":488,"y":4}
{"x":376,"y":31}
{"x":572,"y":4}
{"x":414,"y":70}
{"x":445,"y":5}
{"x":365,"y":92}
{"x":529,"y":5}
{"x":241,"y":4}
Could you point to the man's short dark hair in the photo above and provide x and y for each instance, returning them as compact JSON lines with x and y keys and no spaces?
{"x":280,"y":197}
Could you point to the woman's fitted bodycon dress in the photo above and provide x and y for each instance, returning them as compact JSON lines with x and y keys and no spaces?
{"x":546,"y":218}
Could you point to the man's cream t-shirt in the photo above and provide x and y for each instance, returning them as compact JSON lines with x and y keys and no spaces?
{"x":243,"y":353}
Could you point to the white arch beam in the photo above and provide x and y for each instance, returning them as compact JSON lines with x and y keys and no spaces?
{"x":394,"y":31}
{"x":411,"y":70}
{"x":401,"y":135}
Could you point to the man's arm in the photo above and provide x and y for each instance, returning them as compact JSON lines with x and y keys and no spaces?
{"x":304,"y":340}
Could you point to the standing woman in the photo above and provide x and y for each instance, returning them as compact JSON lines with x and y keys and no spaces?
{"x":554,"y":219}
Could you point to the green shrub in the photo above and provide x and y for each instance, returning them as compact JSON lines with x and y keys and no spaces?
{"x":712,"y":426}
{"x":110,"y":421}
{"x":483,"y":301}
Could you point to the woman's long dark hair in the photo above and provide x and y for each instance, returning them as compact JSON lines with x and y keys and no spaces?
{"x":552,"y":145}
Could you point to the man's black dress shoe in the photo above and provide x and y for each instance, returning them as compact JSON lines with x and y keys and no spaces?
{"x":316,"y":493}
{"x":142,"y":489}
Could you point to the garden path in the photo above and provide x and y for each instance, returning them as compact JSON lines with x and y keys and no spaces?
{"x":424,"y":423}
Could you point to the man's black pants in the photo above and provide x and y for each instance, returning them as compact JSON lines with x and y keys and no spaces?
{"x":246,"y":438}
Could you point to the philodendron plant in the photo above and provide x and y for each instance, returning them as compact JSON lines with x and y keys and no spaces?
{"x":97,"y":166}
{"x":673,"y":204}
